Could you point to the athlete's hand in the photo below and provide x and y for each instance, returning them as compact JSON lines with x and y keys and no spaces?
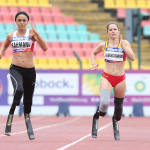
{"x":95,"y":67}
{"x":33,"y":29}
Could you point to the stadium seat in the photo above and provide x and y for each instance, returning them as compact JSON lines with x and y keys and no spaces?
{"x":9,"y":28}
{"x":47,"y":19}
{"x":36,"y":19}
{"x":71,"y":28}
{"x":12,"y":3}
{"x":14,"y":10}
{"x":45,"y":10}
{"x":4,"y":63}
{"x":121,"y":13}
{"x":50,"y":28}
{"x":86,"y":45}
{"x":101,"y":63}
{"x":73,"y":37}
{"x":109,"y":4}
{"x":76,"y":45}
{"x":4,"y":10}
{"x":53,"y":63}
{"x":3,"y":35}
{"x":9,"y":52}
{"x":40,"y":27}
{"x":35,"y":10}
{"x":33,"y":3}
{"x":73,"y":63}
{"x":44,"y":35}
{"x":69,"y":20}
{"x":63,"y":64}
{"x":44,"y":3}
{"x":127,"y":65}
{"x":60,"y":28}
{"x":65,"y":45}
{"x":135,"y":64}
{"x":58,"y":53}
{"x":55,"y":10}
{"x":142,"y":4}
{"x":2,"y":27}
{"x":23,"y":3}
{"x":58,"y":19}
{"x":120,"y":4}
{"x":131,"y":4}
{"x":43,"y":63}
{"x":83,"y":37}
{"x":26,"y":9}
{"x":69,"y":53}
{"x":52,"y":37}
{"x":62,"y":37}
{"x":88,"y":53}
{"x":85,"y":64}
{"x":55,"y":45}
{"x":3,"y":3}
{"x":80,"y":53}
{"x":94,"y":37}
{"x":49,"y":53}
{"x":81,"y":28}
{"x":146,"y":30}
{"x":95,"y":44}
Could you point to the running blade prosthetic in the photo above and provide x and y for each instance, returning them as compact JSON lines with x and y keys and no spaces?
{"x":8,"y":125}
{"x":29,"y":126}
{"x":116,"y":129}
{"x":94,"y":127}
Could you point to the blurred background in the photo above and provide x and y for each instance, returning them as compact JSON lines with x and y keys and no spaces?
{"x":65,"y":84}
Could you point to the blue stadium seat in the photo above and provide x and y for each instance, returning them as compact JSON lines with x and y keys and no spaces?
{"x":40,"y":27}
{"x":94,"y":37}
{"x":52,"y":37}
{"x":9,"y":28}
{"x":146,"y":30}
{"x":63,"y":37}
{"x":50,"y":27}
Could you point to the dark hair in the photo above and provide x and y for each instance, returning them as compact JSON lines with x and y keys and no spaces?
{"x":112,"y":23}
{"x":21,"y":12}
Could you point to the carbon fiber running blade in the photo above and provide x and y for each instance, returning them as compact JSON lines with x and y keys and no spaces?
{"x":94,"y":127}
{"x":29,"y":127}
{"x":8,"y":125}
{"x":116,"y":129}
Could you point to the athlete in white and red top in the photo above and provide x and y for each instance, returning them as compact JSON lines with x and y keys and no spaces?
{"x":115,"y":52}
{"x":22,"y":71}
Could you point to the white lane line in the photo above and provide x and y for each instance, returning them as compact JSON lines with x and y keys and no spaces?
{"x":18,"y":122}
{"x":62,"y":148}
{"x":44,"y":127}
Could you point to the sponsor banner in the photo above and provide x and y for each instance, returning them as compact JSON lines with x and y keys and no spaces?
{"x":3,"y":87}
{"x":94,"y":100}
{"x":54,"y":84}
{"x":138,"y":84}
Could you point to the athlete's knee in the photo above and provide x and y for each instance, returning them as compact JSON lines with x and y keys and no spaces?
{"x":19,"y":92}
{"x":105,"y":99}
{"x":118,"y":108}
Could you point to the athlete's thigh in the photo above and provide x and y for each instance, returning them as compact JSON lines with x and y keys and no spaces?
{"x":119,"y":89}
{"x":105,"y":84}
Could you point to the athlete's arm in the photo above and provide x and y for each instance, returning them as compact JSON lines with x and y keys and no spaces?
{"x":35,"y":36}
{"x":97,"y":50}
{"x":5,"y":44}
{"x":127,"y":49}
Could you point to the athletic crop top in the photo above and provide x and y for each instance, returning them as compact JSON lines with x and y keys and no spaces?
{"x":114,"y":54}
{"x":23,"y":43}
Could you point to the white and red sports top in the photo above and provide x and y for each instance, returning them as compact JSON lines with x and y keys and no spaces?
{"x":23,"y":43}
{"x":114,"y":54}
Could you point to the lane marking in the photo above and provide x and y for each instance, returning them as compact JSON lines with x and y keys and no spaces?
{"x":64,"y":147}
{"x":44,"y":127}
{"x":18,"y":122}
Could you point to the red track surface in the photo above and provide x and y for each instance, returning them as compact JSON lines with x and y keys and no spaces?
{"x":57,"y":132}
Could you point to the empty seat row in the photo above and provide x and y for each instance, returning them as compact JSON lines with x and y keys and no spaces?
{"x":114,"y":4}
{"x":32,"y":10}
{"x":27,"y":3}
{"x":35,"y":18}
{"x":63,"y":63}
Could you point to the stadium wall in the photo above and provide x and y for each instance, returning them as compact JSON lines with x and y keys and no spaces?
{"x":79,"y":88}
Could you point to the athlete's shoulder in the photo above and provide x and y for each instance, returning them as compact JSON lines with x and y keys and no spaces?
{"x":10,"y":35}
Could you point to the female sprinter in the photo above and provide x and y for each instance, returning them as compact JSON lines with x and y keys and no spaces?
{"x":115,"y":52}
{"x":22,"y":71}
